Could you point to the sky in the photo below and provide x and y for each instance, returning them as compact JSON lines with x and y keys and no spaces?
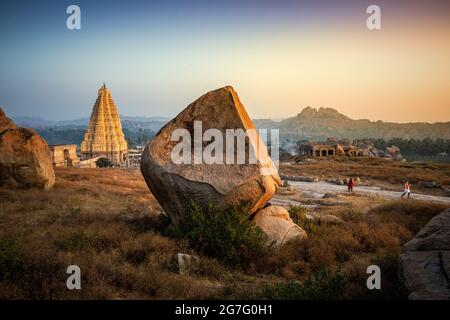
{"x":280,"y":56}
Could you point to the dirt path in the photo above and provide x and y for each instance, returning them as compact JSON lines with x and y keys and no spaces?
{"x":318,"y":189}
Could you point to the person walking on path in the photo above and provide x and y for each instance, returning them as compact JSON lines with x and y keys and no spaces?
{"x":350,"y":184}
{"x":406,"y":189}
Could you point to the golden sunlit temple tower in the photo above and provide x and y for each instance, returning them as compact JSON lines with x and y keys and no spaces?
{"x":104,"y":136}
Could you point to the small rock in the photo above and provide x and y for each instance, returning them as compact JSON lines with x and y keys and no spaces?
{"x":329,"y":195}
{"x":429,"y":184}
{"x":186,"y":262}
{"x":330,"y":219}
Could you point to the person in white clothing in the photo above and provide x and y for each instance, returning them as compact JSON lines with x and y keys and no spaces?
{"x":406,"y":189}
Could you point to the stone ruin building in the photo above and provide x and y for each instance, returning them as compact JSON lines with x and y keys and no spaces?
{"x":332,"y":147}
{"x":64,"y":155}
{"x":104,"y":136}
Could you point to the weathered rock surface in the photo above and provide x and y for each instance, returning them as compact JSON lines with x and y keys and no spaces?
{"x":186,"y":262}
{"x":25,"y":159}
{"x":278,"y":225}
{"x":223,"y":184}
{"x":425,"y":260}
{"x":330,"y":219}
{"x":5,"y":122}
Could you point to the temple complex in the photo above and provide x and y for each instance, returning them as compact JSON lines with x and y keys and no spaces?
{"x":104,"y":136}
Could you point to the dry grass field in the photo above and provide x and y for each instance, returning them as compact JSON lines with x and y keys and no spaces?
{"x":108,"y":223}
{"x":377,"y":172}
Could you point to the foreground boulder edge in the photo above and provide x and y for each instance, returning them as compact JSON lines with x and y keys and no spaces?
{"x":425,"y":261}
{"x":175,"y":186}
{"x":25,"y":159}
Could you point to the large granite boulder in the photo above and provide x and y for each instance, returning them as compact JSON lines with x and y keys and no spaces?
{"x":24,"y":157}
{"x":5,"y":122}
{"x":277,"y":225}
{"x":242,"y":185}
{"x":425,"y":260}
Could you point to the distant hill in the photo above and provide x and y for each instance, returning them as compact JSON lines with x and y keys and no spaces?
{"x":319,"y":124}
{"x":152,"y":123}
{"x":309,"y":124}
{"x":137,"y":130}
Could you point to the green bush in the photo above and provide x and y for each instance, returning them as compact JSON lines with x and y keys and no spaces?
{"x":77,"y":241}
{"x":103,"y":163}
{"x":9,"y":261}
{"x":321,"y":285}
{"x":392,"y":287}
{"x":226,"y":234}
{"x":298,"y":215}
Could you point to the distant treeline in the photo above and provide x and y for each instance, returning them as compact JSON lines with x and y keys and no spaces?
{"x":416,"y":147}
{"x":138,"y":137}
{"x":62,"y":136}
{"x":134,"y":137}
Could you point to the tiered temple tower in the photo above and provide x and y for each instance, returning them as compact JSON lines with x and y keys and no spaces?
{"x":104,"y":137}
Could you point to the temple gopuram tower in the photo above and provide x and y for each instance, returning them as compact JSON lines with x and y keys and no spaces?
{"x":104,"y":136}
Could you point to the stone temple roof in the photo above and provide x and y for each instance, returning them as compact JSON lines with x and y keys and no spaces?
{"x":104,"y":133}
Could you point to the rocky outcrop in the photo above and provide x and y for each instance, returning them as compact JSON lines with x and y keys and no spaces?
{"x":425,"y":260}
{"x":25,"y":159}
{"x":5,"y":122}
{"x":277,"y":225}
{"x":394,"y":152}
{"x":176,"y":183}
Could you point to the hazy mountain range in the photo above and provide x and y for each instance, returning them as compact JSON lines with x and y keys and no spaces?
{"x":310,"y":124}
{"x":319,"y":124}
{"x":127,"y":122}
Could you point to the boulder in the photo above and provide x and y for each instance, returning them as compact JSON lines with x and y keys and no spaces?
{"x":175,"y":184}
{"x":277,"y":225}
{"x":329,"y":195}
{"x":425,"y":260}
{"x":25,"y":159}
{"x":429,"y":184}
{"x":330,"y":219}
{"x":340,"y":151}
{"x":186,"y":262}
{"x":394,"y":152}
{"x":5,"y":122}
{"x":287,"y":190}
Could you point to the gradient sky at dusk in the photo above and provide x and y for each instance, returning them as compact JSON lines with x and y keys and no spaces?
{"x":156,"y":57}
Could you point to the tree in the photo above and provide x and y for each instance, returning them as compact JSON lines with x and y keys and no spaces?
{"x":103,"y":163}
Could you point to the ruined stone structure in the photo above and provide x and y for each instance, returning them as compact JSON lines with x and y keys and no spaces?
{"x":64,"y":155}
{"x":332,"y":147}
{"x":104,"y":137}
{"x":317,"y":150}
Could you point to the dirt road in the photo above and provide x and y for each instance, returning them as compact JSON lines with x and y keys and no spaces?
{"x":318,"y":189}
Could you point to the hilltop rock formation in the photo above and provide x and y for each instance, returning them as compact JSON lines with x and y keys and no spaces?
{"x":425,"y":260}
{"x":24,"y":157}
{"x":175,"y":185}
{"x":319,"y":124}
